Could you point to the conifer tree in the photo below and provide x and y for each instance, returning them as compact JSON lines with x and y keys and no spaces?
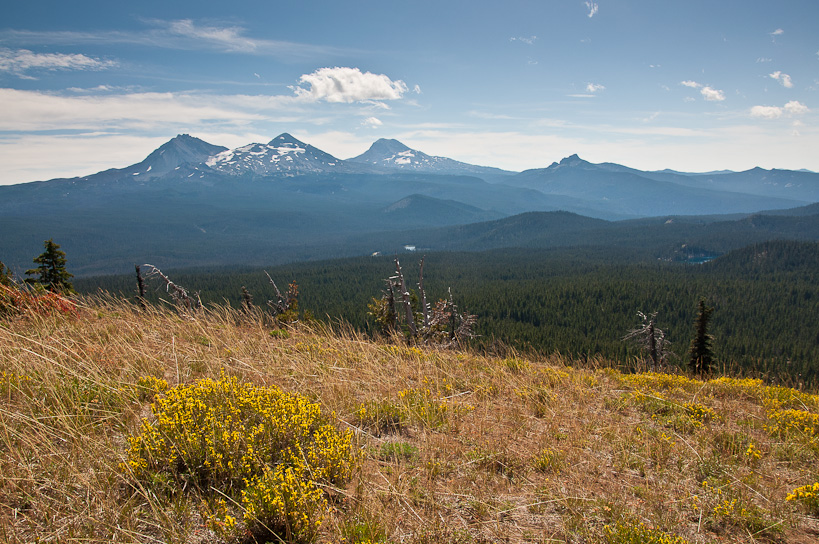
{"x":51,"y":272}
{"x":700,"y":356}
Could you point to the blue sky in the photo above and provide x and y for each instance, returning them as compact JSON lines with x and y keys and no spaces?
{"x":690,"y":85}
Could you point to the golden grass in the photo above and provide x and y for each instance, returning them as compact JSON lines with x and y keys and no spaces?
{"x":485,"y":449}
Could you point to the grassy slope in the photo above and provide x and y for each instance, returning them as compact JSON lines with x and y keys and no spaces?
{"x":488,"y":449}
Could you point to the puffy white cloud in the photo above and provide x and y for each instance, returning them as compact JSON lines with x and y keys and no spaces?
{"x":593,"y":8}
{"x":22,"y":60}
{"x":690,"y":83}
{"x":372,"y":122}
{"x":784,"y":79}
{"x":794,"y":107}
{"x":712,"y":95}
{"x":349,"y":85}
{"x":595,"y":87}
{"x":766,"y":112}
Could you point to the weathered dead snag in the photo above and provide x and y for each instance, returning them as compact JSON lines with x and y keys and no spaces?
{"x":178,"y":293}
{"x":652,"y":339}
{"x":442,"y":325}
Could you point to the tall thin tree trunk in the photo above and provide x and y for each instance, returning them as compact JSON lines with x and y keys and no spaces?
{"x":405,"y":296}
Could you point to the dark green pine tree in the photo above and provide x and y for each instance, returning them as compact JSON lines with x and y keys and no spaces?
{"x":51,"y":272}
{"x":700,"y":356}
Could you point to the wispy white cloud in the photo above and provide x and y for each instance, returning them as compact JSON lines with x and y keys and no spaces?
{"x":784,"y":79}
{"x":712,"y":95}
{"x":229,"y":38}
{"x":528,"y":41}
{"x":185,"y":34}
{"x":487,"y":115}
{"x":349,"y":85}
{"x":21,"y":61}
{"x":39,"y":111}
{"x":690,"y":83}
{"x":372,"y":122}
{"x":592,"y":7}
{"x":595,"y":88}
{"x":763,"y":59}
{"x":777,"y":32}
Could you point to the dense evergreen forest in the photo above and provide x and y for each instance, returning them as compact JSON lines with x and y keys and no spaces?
{"x":579,"y":302}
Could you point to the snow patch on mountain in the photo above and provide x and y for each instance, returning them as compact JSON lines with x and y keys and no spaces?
{"x":283,"y":154}
{"x":394,"y":155}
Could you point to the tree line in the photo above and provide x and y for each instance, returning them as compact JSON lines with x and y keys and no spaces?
{"x":579,"y":302}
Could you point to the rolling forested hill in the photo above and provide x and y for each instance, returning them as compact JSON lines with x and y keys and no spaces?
{"x":575,"y":301}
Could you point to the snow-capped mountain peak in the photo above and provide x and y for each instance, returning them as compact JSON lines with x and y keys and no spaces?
{"x":180,"y":150}
{"x":283,"y":154}
{"x":394,"y":155}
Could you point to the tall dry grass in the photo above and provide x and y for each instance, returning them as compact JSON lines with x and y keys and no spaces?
{"x":457,"y":447}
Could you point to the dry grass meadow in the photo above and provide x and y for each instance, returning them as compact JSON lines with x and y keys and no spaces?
{"x":444,"y":446}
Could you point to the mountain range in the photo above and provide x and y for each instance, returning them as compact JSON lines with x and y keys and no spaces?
{"x":191,"y":203}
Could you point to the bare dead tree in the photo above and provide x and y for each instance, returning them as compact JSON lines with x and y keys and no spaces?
{"x":424,"y":304}
{"x":177,"y":292}
{"x":278,"y":306}
{"x":140,"y":288}
{"x":405,"y":297}
{"x":442,"y":325}
{"x":448,"y":327}
{"x":652,"y":339}
{"x":283,"y":303}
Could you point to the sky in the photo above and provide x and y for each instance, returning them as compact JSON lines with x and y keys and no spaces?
{"x":691,"y":85}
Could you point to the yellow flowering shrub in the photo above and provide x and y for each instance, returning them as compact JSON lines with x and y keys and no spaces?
{"x":788,"y":422}
{"x":807,"y":495}
{"x":656,"y":381}
{"x":684,"y":417}
{"x":770,"y":396}
{"x":623,"y":533}
{"x":150,"y":386}
{"x":285,"y":501}
{"x":237,"y":437}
